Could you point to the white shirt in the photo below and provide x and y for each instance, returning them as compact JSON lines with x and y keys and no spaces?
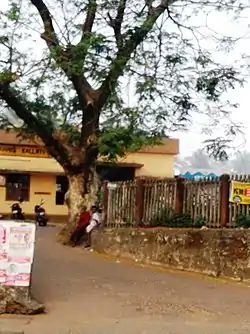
{"x":95,"y":217}
{"x":94,"y":222}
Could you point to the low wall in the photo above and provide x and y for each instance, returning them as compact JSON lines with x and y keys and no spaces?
{"x":220,"y":253}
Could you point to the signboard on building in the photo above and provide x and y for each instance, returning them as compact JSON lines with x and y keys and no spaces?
{"x":239,"y":192}
{"x":24,"y":151}
{"x":17,"y":243}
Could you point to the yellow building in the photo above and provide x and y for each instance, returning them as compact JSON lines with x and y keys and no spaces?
{"x":27,"y":170}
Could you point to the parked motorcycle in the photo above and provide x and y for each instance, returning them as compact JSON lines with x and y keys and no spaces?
{"x":17,"y":211}
{"x":41,"y":217}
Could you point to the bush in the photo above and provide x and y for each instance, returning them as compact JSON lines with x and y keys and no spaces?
{"x":243,"y":221}
{"x":167,"y":218}
{"x":199,"y":222}
{"x":180,"y":220}
{"x":162,"y":217}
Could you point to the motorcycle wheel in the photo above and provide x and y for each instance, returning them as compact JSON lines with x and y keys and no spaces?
{"x":42,"y":223}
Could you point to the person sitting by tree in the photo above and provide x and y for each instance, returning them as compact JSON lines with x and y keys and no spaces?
{"x":80,"y":229}
{"x":95,"y":221}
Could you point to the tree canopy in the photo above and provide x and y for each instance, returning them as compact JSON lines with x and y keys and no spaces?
{"x":65,"y":66}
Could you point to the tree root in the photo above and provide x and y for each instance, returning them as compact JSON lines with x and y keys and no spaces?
{"x":63,"y":237}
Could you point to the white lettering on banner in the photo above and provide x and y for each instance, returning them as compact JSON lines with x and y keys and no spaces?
{"x":17,"y":241}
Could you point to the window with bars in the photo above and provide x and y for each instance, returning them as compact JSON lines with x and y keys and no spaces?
{"x":61,"y":189}
{"x":17,"y":185}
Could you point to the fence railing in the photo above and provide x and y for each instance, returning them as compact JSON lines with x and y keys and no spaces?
{"x":121,"y":206}
{"x":145,"y":201}
{"x":158,"y":198}
{"x":202,"y":200}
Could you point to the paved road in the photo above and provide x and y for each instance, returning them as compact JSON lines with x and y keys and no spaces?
{"x":87,"y":293}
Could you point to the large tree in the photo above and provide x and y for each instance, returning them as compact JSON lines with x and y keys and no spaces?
{"x":65,"y":66}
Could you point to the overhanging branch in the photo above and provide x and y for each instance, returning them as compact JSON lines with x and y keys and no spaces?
{"x":55,"y":148}
{"x":131,"y":40}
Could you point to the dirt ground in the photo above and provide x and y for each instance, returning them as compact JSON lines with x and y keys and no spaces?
{"x":89,"y":293}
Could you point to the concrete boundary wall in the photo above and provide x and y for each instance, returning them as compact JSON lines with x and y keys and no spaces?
{"x":218,"y":253}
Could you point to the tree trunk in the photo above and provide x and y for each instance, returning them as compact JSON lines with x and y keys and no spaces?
{"x":82,"y":192}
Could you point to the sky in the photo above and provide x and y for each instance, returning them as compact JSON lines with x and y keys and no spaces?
{"x":193,"y":139}
{"x":220,"y":23}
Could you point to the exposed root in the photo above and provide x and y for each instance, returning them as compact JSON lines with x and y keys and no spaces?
{"x":63,"y":236}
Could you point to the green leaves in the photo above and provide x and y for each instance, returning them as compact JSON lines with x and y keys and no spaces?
{"x":216,"y":82}
{"x":115,"y":142}
{"x":4,"y":39}
{"x":143,"y":78}
{"x":13,"y":12}
{"x":7,"y":77}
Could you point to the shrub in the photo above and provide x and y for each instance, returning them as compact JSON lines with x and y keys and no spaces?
{"x":162,"y":217}
{"x":167,"y":218}
{"x":243,"y":221}
{"x":199,"y":222}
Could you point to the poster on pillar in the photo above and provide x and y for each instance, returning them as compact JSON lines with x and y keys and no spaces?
{"x":239,"y":192}
{"x":17,"y":243}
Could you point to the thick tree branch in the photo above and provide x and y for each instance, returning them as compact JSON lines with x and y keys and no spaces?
{"x":87,"y":29}
{"x":84,"y":90}
{"x":49,"y":34}
{"x":67,"y":58}
{"x":90,"y":116}
{"x":86,"y":94}
{"x":116,"y":23}
{"x":90,"y":18}
{"x":130,"y":42}
{"x":80,"y":82}
{"x":54,"y":147}
{"x":62,"y":56}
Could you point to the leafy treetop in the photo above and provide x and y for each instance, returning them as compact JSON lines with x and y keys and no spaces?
{"x":66,"y":66}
